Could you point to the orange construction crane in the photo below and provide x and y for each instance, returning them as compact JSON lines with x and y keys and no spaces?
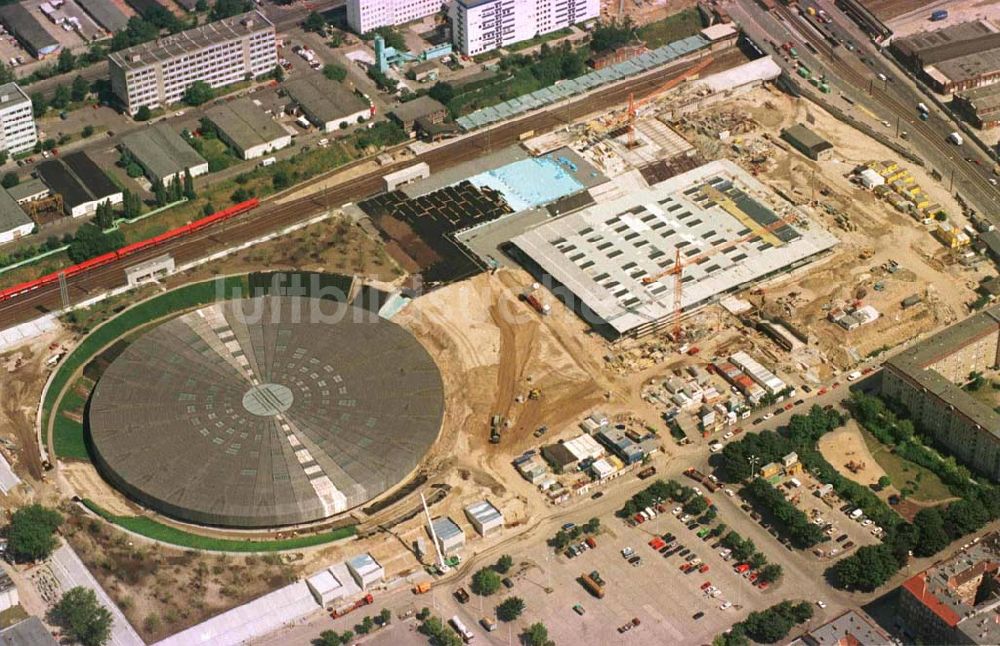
{"x":677,"y":269}
{"x":633,"y":105}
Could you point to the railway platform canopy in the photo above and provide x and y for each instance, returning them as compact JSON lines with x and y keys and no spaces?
{"x":572,"y":87}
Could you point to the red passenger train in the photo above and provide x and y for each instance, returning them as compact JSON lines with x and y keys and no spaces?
{"x":128,"y":250}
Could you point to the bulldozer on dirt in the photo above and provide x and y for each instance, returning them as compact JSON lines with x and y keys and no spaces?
{"x":534,"y":393}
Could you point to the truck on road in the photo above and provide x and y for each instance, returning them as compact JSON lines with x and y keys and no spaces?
{"x":461,"y":629}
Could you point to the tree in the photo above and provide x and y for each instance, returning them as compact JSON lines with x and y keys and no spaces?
{"x":770,"y":573}
{"x":240,"y":195}
{"x":208,"y":209}
{"x":327,"y":638}
{"x":79,"y":89}
{"x":198,"y":93}
{"x":314,"y":23}
{"x":385,"y":616}
{"x":280,"y":180}
{"x":66,"y":61}
{"x":160,"y":192}
{"x":105,"y":215}
{"x":278,"y":73}
{"x":695,"y":506}
{"x":537,"y":635}
{"x":143,"y":113}
{"x":510,"y":609}
{"x":610,"y":35}
{"x":485,"y":582}
{"x":503,"y":564}
{"x":866,"y":569}
{"x":592,"y":526}
{"x":90,"y":241}
{"x":334,"y":72}
{"x":131,"y":204}
{"x":87,"y":131}
{"x":83,"y":617}
{"x":757,"y":560}
{"x":61,"y":98}
{"x":10,"y":179}
{"x":31,"y":533}
{"x":189,"y":185}
{"x":228,"y":8}
{"x":365,"y":626}
{"x":884,"y":482}
{"x":442,"y":92}
{"x":38,"y":104}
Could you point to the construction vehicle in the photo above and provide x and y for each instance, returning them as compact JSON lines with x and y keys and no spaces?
{"x":422,"y":588}
{"x":534,"y":393}
{"x":677,"y":269}
{"x":340,"y":611}
{"x":496,"y":422}
{"x":592,"y":586}
{"x":531,"y":298}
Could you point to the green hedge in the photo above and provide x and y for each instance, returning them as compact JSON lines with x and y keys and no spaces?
{"x":184,"y":297}
{"x":167,"y":534}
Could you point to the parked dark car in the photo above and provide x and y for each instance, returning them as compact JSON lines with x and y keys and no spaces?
{"x":842,"y":538}
{"x":698,"y":615}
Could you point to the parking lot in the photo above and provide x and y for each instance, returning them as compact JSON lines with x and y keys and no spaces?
{"x":655,"y":591}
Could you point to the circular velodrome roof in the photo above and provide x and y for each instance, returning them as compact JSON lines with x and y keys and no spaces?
{"x":257,"y":413}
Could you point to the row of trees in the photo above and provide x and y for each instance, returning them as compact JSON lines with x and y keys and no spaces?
{"x":563,"y":538}
{"x":657,"y":491}
{"x":767,"y":626}
{"x":175,"y":190}
{"x":744,"y":550}
{"x":795,"y":523}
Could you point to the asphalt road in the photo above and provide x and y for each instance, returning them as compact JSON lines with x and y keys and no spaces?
{"x":270,"y":217}
{"x":855,"y":73}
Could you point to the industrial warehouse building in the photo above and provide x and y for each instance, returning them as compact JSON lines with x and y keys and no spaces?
{"x":23,"y":25}
{"x":247,"y":128}
{"x":927,"y":379}
{"x":327,"y":104}
{"x":289,"y":445}
{"x":14,"y":223}
{"x":485,"y":518}
{"x":954,"y":58}
{"x":807,"y":142}
{"x":614,"y":262}
{"x":407,"y":114}
{"x":450,"y":537}
{"x":80,"y":183}
{"x":365,"y":570}
{"x":979,"y":106}
{"x":220,"y":53}
{"x":106,"y":14}
{"x":163,"y":154}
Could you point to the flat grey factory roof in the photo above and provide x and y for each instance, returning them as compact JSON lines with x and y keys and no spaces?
{"x":105,"y":13}
{"x":24,"y":25}
{"x":985,"y":99}
{"x":27,"y":188}
{"x":11,"y":214}
{"x":327,"y":100}
{"x":266,"y":411}
{"x":969,"y":67}
{"x":917,"y":363}
{"x":419,"y":107}
{"x":191,"y":40}
{"x":601,"y":254}
{"x":245,"y":123}
{"x":160,"y":149}
{"x":807,"y":137}
{"x":947,"y":36}
{"x":29,"y":632}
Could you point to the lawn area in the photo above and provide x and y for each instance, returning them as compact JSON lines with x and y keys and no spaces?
{"x":922,"y":483}
{"x":538,"y":40}
{"x":680,"y":25}
{"x":167,"y":534}
{"x":67,"y":438}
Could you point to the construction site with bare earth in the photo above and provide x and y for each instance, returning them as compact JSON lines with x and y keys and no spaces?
{"x":486,"y":350}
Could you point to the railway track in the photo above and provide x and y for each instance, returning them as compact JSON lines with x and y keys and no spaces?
{"x":271,"y":216}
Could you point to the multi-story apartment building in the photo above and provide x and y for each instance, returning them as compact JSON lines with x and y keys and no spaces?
{"x":955,"y":601}
{"x":16,"y":120}
{"x":926,"y":379}
{"x":219,"y":53}
{"x":365,"y":15}
{"x":482,"y":25}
